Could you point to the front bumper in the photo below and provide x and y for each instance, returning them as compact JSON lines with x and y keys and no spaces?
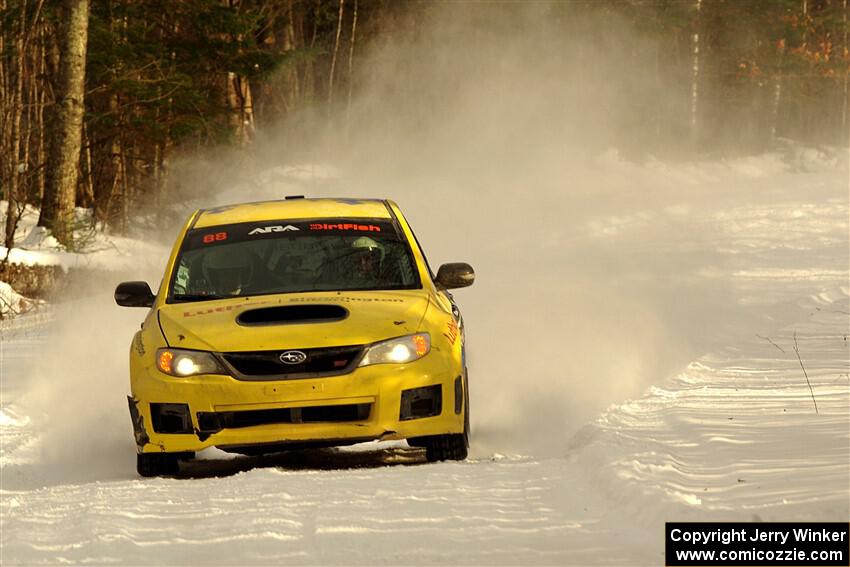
{"x":363,"y":405}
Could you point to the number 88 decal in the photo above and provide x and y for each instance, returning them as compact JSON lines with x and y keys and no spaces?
{"x":215,"y":237}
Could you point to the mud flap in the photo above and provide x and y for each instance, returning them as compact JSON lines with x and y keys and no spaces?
{"x":139,"y":432}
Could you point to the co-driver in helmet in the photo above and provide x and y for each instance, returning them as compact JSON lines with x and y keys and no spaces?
{"x":367,"y":260}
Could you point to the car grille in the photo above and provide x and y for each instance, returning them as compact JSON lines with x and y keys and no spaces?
{"x":212,"y":422}
{"x":319,"y":362}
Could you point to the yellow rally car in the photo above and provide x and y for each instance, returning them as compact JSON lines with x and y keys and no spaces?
{"x":297,"y":323}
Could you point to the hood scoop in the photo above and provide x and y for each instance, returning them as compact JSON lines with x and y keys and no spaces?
{"x":292,"y":314}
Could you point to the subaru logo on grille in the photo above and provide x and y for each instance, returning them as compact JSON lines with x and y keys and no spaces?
{"x":292,"y":357}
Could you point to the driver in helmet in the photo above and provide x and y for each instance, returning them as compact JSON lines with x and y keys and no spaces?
{"x":367,"y":260}
{"x":228,"y":270}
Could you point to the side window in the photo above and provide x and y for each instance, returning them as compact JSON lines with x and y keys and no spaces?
{"x":181,"y":280}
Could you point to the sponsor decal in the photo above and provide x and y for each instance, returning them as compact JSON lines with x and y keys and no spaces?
{"x":253,"y":304}
{"x":225,"y":308}
{"x":345,"y":226}
{"x":451,"y":332}
{"x":273,"y":228}
{"x":138,"y":344}
{"x":208,"y":311}
{"x":344,"y":299}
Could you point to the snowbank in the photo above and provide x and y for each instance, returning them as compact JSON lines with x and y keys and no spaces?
{"x":97,"y":250}
{"x":13,"y":303}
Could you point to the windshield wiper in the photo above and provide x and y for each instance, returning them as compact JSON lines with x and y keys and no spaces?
{"x":200,"y":296}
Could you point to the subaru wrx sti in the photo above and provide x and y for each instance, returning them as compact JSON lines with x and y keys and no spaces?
{"x":297,"y":323}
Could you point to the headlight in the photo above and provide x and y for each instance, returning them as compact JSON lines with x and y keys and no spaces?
{"x":178,"y":362}
{"x":402,"y":349}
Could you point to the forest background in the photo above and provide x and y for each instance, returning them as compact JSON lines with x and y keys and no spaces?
{"x":101,"y":103}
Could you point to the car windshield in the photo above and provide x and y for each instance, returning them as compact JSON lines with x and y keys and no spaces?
{"x":286,"y":257}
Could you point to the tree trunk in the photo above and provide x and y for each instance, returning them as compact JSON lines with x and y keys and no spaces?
{"x":777,"y":95}
{"x":125,"y":194}
{"x":241,"y":108}
{"x":119,"y":175}
{"x":41,"y":152}
{"x":109,"y":159}
{"x":290,"y":40}
{"x":695,"y":78}
{"x":333,"y":58}
{"x":350,"y":70}
{"x":309,"y":81}
{"x":293,"y":42}
{"x":14,"y":169}
{"x":57,"y":210}
{"x":86,"y":197}
{"x":238,"y":97}
{"x":845,"y":125}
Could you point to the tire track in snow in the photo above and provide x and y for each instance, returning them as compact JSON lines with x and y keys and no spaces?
{"x":794,"y":460}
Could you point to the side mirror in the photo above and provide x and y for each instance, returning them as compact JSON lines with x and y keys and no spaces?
{"x":455,"y":275}
{"x":134,"y":294}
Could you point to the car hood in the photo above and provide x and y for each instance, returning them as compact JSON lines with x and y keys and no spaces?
{"x":368,"y":316}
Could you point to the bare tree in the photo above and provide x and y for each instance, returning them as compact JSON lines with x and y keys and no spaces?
{"x":845,"y":126}
{"x":14,"y":167}
{"x":238,"y":92}
{"x":57,"y":209}
{"x":351,"y":69}
{"x":777,"y":94}
{"x":238,"y":96}
{"x":695,"y":75}
{"x":333,"y":58}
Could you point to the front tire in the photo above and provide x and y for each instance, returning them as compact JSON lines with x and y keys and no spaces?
{"x":450,"y":447}
{"x":159,"y":464}
{"x":466,"y":428}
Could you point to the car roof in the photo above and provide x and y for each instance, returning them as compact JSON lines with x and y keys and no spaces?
{"x":293,"y":208}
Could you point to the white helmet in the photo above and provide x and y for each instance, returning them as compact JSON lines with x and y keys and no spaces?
{"x":365,"y":243}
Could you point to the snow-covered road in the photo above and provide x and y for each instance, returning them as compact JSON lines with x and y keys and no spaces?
{"x":733,"y":435}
